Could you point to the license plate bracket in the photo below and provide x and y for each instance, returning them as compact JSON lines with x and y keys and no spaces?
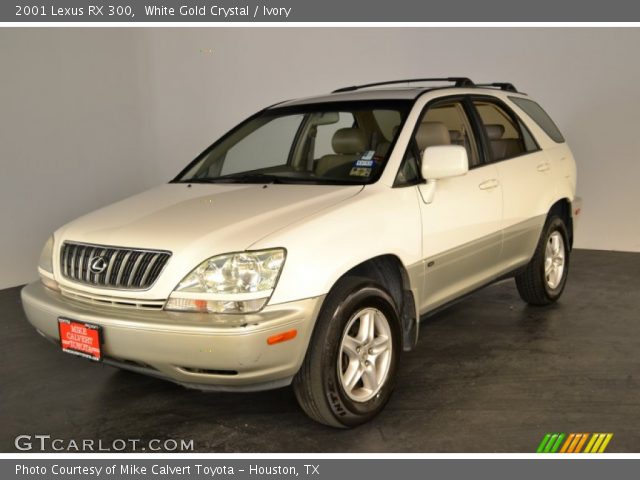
{"x":80,"y":338}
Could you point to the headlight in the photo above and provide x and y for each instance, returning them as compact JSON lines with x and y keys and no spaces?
{"x":45,"y":265}
{"x":234,"y":283}
{"x":46,"y":257}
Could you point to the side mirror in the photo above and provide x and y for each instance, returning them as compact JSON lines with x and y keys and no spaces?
{"x":444,"y":161}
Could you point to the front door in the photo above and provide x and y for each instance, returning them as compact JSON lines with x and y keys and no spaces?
{"x":461,"y":224}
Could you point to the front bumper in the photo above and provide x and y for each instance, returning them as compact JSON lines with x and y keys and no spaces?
{"x":195,"y":350}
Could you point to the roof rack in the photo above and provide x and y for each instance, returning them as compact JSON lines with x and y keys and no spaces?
{"x":458,"y":82}
{"x":507,"y":87}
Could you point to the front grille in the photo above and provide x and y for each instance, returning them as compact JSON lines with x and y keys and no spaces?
{"x":106,"y":301}
{"x":123,"y":268}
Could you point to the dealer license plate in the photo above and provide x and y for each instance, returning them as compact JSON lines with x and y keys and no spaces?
{"x":79,"y":338}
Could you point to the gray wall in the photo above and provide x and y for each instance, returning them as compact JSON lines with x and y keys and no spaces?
{"x":72,"y":132}
{"x":89,"y":116}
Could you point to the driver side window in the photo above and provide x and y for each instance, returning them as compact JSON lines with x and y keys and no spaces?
{"x":444,"y":123}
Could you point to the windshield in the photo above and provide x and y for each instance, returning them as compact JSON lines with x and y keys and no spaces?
{"x":333,"y":143}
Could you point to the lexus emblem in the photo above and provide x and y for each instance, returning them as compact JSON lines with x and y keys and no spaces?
{"x":97,"y":265}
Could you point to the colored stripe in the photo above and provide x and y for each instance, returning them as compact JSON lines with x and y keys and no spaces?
{"x":550,"y":443}
{"x":581,"y":443}
{"x":590,"y":444}
{"x":568,"y":442}
{"x":599,"y":441}
{"x":555,"y":448}
{"x":607,"y":439}
{"x":543,"y":443}
{"x":574,"y":443}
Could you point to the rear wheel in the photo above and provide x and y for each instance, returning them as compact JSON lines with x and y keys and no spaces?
{"x":349,"y":371}
{"x":543,"y":280}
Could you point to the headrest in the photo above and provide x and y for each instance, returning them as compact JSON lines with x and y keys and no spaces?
{"x":455,"y":135}
{"x":348,"y":141}
{"x":431,"y":134}
{"x":494,"y":131}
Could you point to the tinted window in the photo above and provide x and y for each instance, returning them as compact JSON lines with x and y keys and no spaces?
{"x":444,"y":123}
{"x":539,"y":116}
{"x":504,"y":131}
{"x":530,"y":144}
{"x":452,"y":116}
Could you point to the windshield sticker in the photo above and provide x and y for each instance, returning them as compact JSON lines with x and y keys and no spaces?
{"x":368,"y":155}
{"x":363,"y":163}
{"x":360,"y":171}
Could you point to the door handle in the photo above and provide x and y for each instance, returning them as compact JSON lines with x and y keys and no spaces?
{"x":489,"y":184}
{"x":543,"y":167}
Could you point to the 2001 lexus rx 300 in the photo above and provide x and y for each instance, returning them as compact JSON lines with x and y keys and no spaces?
{"x":304,"y":245}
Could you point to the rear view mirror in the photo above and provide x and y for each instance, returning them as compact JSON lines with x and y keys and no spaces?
{"x":327,"y":118}
{"x":444,"y":161}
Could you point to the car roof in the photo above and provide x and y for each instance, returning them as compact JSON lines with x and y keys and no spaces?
{"x":393,"y":93}
{"x":360,"y":95}
{"x":407,"y":90}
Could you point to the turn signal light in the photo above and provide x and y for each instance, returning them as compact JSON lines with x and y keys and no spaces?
{"x":282,"y":337}
{"x":49,"y":283}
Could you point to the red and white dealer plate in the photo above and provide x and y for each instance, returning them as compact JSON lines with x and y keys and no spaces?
{"x":79,"y":338}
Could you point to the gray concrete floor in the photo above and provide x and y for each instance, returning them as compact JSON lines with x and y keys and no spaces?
{"x":489,"y":375}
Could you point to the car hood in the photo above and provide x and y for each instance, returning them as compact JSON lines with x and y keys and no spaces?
{"x":206,"y":218}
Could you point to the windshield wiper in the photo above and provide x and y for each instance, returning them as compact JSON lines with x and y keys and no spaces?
{"x":250,"y":177}
{"x":260,"y":177}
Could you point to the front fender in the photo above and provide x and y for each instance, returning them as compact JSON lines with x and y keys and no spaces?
{"x":323,"y":247}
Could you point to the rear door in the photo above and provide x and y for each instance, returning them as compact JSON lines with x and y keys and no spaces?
{"x":524,"y":171}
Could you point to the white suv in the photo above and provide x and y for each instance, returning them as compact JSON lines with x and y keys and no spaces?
{"x":304,"y":245}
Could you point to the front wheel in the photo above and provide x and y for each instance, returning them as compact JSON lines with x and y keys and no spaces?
{"x":543,"y":279}
{"x":348,"y":373}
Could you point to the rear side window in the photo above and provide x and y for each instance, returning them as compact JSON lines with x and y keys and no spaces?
{"x":539,"y":116}
{"x":506,"y":134}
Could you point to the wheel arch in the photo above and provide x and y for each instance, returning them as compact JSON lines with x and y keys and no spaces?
{"x":562,"y":208}
{"x":389,"y":271}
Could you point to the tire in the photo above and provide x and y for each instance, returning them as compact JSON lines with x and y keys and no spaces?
{"x":339,"y":351}
{"x":545,"y":276}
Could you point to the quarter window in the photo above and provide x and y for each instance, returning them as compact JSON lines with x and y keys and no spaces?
{"x":538,"y":115}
